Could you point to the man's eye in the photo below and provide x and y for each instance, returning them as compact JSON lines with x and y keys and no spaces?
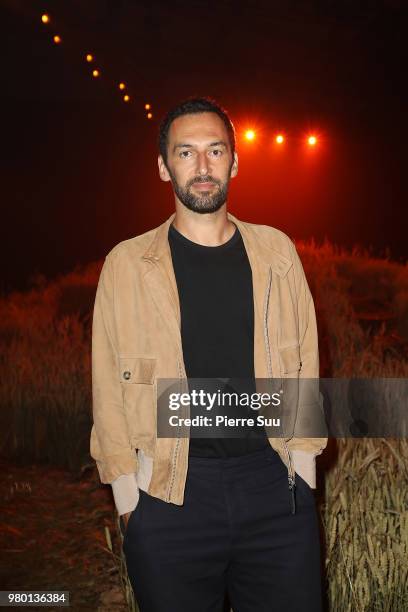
{"x":217,"y":152}
{"x":185,"y":154}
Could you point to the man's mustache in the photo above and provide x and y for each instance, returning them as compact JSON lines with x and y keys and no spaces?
{"x":201,"y":179}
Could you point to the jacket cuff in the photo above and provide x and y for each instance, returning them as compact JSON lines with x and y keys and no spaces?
{"x":112,"y":466}
{"x":304,"y":464}
{"x":125,"y":493}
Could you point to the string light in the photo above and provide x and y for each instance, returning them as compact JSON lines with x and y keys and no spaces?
{"x":46,"y":19}
{"x":249,"y":135}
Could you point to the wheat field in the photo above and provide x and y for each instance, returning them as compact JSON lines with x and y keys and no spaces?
{"x":362,"y":312}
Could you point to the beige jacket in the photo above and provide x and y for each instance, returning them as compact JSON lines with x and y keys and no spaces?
{"x":136,"y":340}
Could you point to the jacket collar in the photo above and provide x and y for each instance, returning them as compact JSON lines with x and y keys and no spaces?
{"x":252,"y":241}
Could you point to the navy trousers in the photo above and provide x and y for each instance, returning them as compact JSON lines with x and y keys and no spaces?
{"x":235,"y":536}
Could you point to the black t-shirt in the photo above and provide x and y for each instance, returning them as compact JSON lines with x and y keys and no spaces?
{"x":217,"y":326}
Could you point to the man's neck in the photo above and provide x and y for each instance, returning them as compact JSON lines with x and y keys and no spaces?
{"x":211,"y":229}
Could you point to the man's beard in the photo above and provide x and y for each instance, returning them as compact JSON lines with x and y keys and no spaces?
{"x":205,"y":201}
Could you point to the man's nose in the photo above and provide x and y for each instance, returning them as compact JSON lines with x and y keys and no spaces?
{"x":202,"y":163}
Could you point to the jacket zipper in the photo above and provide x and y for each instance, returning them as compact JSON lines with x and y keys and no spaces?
{"x":175,"y":454}
{"x":291,"y":473}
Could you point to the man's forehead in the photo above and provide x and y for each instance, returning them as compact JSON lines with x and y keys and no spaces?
{"x":202,"y":125}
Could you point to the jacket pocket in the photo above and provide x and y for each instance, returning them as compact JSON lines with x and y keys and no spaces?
{"x":290,"y":359}
{"x":138,"y":378}
{"x":134,"y":370}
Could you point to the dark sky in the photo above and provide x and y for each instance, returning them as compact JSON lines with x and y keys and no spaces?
{"x":79,"y":167}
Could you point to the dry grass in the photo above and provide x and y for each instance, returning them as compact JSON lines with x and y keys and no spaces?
{"x":362,"y":306}
{"x":366,"y":524}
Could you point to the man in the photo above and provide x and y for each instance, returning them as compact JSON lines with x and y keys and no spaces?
{"x":206,"y":295}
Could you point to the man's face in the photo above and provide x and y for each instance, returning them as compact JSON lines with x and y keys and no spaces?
{"x":199,"y":161}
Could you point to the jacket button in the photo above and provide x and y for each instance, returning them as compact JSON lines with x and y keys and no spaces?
{"x":127,"y":375}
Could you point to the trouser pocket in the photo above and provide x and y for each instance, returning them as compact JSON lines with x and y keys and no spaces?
{"x":134,"y":516}
{"x":304,"y":489}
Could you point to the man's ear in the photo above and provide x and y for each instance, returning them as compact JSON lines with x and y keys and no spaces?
{"x":234,"y":167}
{"x":163,"y":172}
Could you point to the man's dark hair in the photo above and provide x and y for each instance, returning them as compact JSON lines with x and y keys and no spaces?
{"x":192,"y":106}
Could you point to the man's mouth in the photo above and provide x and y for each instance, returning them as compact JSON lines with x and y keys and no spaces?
{"x":203,"y":186}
